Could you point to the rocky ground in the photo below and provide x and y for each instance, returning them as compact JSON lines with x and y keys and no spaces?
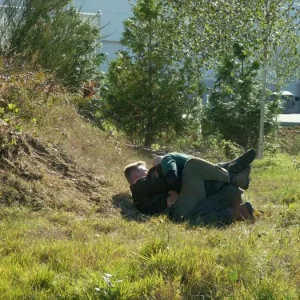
{"x":35,"y":173}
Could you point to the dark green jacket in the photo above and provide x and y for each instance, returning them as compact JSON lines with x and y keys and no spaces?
{"x":150,"y":195}
{"x":171,"y":168}
{"x":174,"y":162}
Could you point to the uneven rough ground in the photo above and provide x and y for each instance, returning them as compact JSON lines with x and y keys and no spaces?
{"x":38,"y":174}
{"x":70,"y":174}
{"x":289,"y":139}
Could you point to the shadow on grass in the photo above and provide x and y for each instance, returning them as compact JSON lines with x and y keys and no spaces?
{"x":128,"y":210}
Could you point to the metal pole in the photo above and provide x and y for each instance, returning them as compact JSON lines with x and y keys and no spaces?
{"x":260,"y":150}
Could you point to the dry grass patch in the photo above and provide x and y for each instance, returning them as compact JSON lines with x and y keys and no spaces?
{"x":76,"y":245}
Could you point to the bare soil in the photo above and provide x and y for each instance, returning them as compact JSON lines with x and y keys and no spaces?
{"x":43,"y":176}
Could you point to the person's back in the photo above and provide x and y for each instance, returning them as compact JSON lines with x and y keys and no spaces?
{"x":171,"y":167}
{"x":174,"y":162}
{"x":149,"y":194}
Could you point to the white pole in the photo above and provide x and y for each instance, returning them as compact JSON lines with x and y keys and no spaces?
{"x":260,"y":150}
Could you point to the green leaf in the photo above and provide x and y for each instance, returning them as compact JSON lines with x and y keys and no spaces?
{"x":11,"y":106}
{"x":233,"y":276}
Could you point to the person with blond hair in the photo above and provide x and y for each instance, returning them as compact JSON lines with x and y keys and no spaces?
{"x":149,"y":194}
{"x":155,"y":195}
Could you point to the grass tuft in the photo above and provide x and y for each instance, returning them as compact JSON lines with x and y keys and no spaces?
{"x":69,"y":230}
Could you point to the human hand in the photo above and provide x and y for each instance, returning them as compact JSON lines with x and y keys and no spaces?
{"x":152,"y":173}
{"x":173,"y":196}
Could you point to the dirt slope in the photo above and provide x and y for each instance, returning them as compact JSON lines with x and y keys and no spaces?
{"x":35,"y":173}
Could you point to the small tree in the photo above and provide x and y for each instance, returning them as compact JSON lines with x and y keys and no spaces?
{"x":274,"y":28}
{"x":234,"y":104}
{"x":65,"y":45}
{"x":150,"y":97}
{"x":268,"y":28}
{"x":53,"y":36}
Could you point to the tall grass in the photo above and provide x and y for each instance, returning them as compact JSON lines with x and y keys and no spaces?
{"x":53,"y":253}
{"x":58,"y":255}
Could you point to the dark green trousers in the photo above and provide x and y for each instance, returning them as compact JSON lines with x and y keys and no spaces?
{"x":196,"y":171}
{"x":218,"y":209}
{"x":194,"y":203}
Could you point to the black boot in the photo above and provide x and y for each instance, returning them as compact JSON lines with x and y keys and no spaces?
{"x":244,"y":212}
{"x":241,"y":179}
{"x":240,"y":163}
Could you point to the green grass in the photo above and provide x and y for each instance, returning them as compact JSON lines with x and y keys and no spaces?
{"x":71,"y":248}
{"x":59,"y":255}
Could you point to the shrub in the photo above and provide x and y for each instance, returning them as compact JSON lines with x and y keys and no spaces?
{"x":234,"y":107}
{"x":150,"y":97}
{"x":53,"y":36}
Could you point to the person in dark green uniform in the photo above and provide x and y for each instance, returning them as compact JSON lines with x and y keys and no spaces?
{"x":208,"y":205}
{"x":150,"y":194}
{"x":170,"y":168}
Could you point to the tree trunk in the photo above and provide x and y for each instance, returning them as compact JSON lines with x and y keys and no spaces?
{"x":148,"y":139}
{"x":260,"y":150}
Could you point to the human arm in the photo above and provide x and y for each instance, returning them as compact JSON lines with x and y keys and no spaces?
{"x":173,"y":196}
{"x":150,"y":195}
{"x":170,"y":173}
{"x":173,"y":181}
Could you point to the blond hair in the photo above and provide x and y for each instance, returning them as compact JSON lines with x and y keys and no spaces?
{"x":129,"y":169}
{"x":157,"y":160}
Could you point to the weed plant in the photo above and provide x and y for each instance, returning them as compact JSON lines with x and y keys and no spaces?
{"x":69,"y":252}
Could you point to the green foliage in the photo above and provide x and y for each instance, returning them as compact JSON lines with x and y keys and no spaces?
{"x":92,"y":109}
{"x":268,"y":30}
{"x":63,"y":252}
{"x":273,"y":36}
{"x":6,"y":113}
{"x":9,"y":113}
{"x":150,"y":97}
{"x":234,"y":107}
{"x":254,"y":23}
{"x":50,"y":35}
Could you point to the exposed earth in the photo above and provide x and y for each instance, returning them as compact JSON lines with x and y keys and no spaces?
{"x":42,"y":176}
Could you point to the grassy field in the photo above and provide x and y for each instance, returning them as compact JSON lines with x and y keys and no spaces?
{"x":65,"y":255}
{"x":85,"y":247}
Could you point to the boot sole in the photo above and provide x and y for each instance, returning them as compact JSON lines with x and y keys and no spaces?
{"x":242,"y":162}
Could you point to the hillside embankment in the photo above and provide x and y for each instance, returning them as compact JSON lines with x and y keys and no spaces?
{"x":50,"y":156}
{"x":68,"y":229}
